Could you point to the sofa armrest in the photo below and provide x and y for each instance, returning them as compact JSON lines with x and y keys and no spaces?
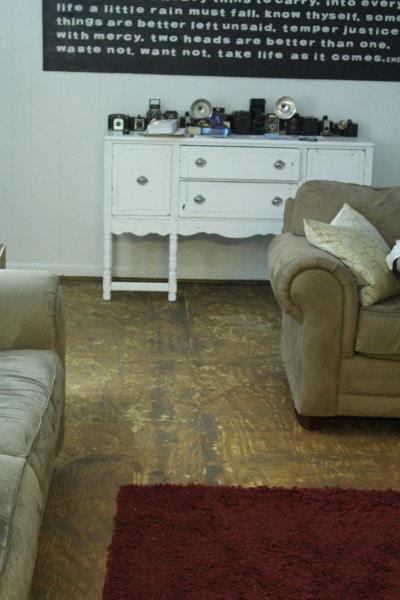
{"x":32,"y":312}
{"x":311,"y":284}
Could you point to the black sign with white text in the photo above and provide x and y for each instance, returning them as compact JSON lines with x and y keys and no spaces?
{"x":311,"y":39}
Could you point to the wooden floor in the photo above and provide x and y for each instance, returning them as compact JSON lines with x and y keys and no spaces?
{"x":191,"y":391}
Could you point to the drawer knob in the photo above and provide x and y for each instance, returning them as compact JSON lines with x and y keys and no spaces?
{"x":279,"y":164}
{"x":201,"y":162}
{"x":199,"y":199}
{"x":277,"y":201}
{"x":142,"y":180}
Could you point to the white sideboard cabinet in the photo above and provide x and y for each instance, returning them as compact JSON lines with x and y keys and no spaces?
{"x":234,"y":187}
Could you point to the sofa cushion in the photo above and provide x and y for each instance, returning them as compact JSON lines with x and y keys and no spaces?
{"x":21,"y":509}
{"x":31,"y":404}
{"x":357,"y":243}
{"x":322,"y":200}
{"x":378,"y":331}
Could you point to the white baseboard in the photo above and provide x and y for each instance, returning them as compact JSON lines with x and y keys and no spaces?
{"x":228,"y":273}
{"x":200,"y":257}
{"x":62,"y":270}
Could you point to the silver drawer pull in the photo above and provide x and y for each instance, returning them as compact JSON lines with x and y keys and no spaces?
{"x":142,"y":180}
{"x":277,"y":201}
{"x":199,"y":199}
{"x":279,"y":164}
{"x":201,"y":162}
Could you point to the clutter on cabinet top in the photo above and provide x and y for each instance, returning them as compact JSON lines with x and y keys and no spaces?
{"x":205,"y":119}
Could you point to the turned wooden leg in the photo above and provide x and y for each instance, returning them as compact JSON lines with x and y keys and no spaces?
{"x":107,"y":264}
{"x":172,"y":266}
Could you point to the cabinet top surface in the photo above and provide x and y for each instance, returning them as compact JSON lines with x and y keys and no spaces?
{"x":240,"y":140}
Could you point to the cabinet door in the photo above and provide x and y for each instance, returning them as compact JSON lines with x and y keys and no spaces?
{"x":336,"y":164}
{"x":141,"y":177}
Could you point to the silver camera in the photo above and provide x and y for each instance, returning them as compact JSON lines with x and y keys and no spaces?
{"x":272,"y":123}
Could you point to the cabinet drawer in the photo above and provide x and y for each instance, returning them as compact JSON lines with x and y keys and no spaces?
{"x":234,"y":200}
{"x":141,"y":180}
{"x":250,"y":164}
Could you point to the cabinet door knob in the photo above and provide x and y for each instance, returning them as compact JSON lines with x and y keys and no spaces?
{"x":142,"y":180}
{"x":279,"y":164}
{"x":199,"y":199}
{"x":277,"y":201}
{"x":201,"y":162}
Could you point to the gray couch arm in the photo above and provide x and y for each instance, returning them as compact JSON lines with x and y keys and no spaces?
{"x":313,"y":287}
{"x":32,"y":312}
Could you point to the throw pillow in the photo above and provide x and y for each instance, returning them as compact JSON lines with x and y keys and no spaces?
{"x":355,"y":241}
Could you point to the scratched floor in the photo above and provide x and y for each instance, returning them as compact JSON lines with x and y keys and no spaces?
{"x":191,"y":391}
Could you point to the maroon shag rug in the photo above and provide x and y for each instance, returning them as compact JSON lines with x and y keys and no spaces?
{"x":197,"y":542}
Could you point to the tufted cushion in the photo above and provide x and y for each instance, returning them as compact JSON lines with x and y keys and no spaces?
{"x":21,"y":509}
{"x":31,"y":397}
{"x":378,"y":331}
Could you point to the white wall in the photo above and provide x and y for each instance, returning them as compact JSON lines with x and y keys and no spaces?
{"x":51,"y":153}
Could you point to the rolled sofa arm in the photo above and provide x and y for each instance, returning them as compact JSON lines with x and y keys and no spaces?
{"x":32,"y":311}
{"x":310,"y":283}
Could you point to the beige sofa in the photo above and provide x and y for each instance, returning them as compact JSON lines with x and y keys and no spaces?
{"x":32,"y":392}
{"x":341,"y":358}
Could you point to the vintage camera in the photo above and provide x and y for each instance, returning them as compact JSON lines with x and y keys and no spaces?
{"x":258,"y":124}
{"x":326,"y":126}
{"x":170,"y":115}
{"x":347,"y":128}
{"x":185,"y":120}
{"x":310,"y":126}
{"x":118,"y":122}
{"x":271,"y":123}
{"x":294,"y":125}
{"x":154,"y":111}
{"x":257,"y":111}
{"x":257,"y":106}
{"x":139,"y":123}
{"x":241,"y":122}
{"x":219,"y":111}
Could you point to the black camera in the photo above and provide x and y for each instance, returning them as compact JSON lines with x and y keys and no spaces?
{"x":257,"y":111}
{"x":220,"y":112}
{"x":347,"y":128}
{"x":241,"y":122}
{"x":118,"y":122}
{"x":185,"y":120}
{"x":154,"y":111}
{"x":294,"y":125}
{"x":257,"y":106}
{"x":310,"y":126}
{"x":170,"y":115}
{"x":139,"y":123}
{"x":258,"y":125}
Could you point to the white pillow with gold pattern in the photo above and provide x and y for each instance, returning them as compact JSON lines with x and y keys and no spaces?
{"x":358,"y":244}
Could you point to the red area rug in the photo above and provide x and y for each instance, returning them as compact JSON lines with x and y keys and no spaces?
{"x":230,"y":543}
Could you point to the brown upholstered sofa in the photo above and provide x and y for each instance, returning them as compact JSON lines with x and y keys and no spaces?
{"x":32,"y":392}
{"x":341,"y":358}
